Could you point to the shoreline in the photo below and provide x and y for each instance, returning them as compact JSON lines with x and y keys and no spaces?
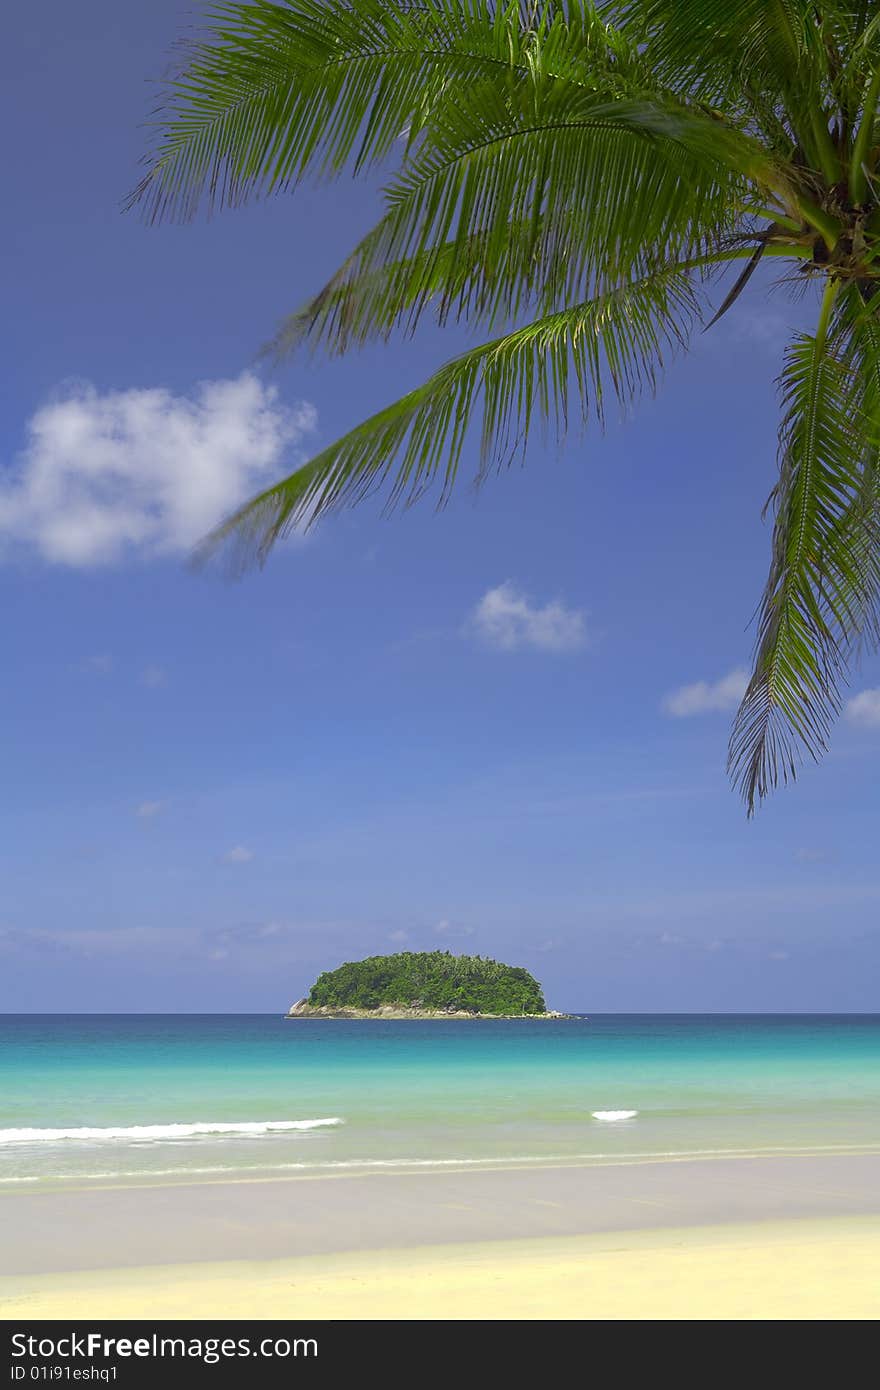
{"x":344,"y":1169}
{"x":62,"y":1230}
{"x":397,"y":1013}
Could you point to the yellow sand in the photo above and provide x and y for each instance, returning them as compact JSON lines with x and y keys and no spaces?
{"x":799,"y":1269}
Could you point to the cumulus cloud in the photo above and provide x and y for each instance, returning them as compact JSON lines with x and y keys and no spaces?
{"x":239,"y":854}
{"x":147,"y":809}
{"x":399,"y":937}
{"x":142,"y":471}
{"x":864,"y":709}
{"x":506,"y":618}
{"x":707,"y":697}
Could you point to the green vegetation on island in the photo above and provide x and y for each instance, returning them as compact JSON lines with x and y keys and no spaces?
{"x":427,"y":982}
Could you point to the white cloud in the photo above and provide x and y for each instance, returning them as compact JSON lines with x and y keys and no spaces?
{"x":446,"y":928}
{"x":864,"y":709}
{"x":239,"y":854}
{"x":154,"y":677}
{"x":707,"y":697}
{"x":399,"y":937}
{"x":147,"y":809}
{"x":505,"y":618}
{"x":142,"y":471}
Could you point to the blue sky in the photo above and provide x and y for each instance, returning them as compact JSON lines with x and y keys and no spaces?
{"x":475,"y":730}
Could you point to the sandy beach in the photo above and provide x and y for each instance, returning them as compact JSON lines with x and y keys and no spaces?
{"x":798,"y":1269}
{"x":747,"y":1238}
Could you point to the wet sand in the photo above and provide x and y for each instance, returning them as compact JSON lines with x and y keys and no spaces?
{"x":740,"y":1237}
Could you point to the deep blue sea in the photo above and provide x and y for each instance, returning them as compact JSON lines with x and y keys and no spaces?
{"x":98,"y":1099}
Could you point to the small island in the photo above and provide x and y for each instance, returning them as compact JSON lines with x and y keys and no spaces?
{"x":424,"y":984}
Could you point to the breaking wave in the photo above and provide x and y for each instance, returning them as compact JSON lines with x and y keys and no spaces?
{"x":157,"y":1133}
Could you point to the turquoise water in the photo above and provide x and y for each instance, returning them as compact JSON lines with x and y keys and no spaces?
{"x":94,"y":1099}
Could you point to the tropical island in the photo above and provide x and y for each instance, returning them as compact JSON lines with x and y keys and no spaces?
{"x":424,"y":984}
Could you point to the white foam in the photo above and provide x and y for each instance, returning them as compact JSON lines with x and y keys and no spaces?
{"x":614,"y":1114}
{"x":154,"y":1133}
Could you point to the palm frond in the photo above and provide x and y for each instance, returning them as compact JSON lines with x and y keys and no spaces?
{"x":796,"y":72}
{"x":635,"y":175}
{"x":276,"y":90}
{"x":808,"y":604}
{"x":515,"y":207}
{"x":856,"y":594}
{"x":585,"y":166}
{"x":538,"y":370}
{"x":369,"y":297}
{"x":737,"y":55}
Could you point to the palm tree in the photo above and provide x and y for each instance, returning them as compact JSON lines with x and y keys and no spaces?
{"x":575,"y":180}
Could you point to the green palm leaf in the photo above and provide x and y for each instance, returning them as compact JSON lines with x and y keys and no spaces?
{"x":618,"y":338}
{"x":815,"y":586}
{"x":282,"y":88}
{"x":570,"y":179}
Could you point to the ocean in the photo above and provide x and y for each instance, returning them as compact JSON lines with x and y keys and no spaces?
{"x":126,"y":1099}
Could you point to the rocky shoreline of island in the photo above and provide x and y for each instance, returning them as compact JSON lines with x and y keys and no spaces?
{"x":303,"y":1009}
